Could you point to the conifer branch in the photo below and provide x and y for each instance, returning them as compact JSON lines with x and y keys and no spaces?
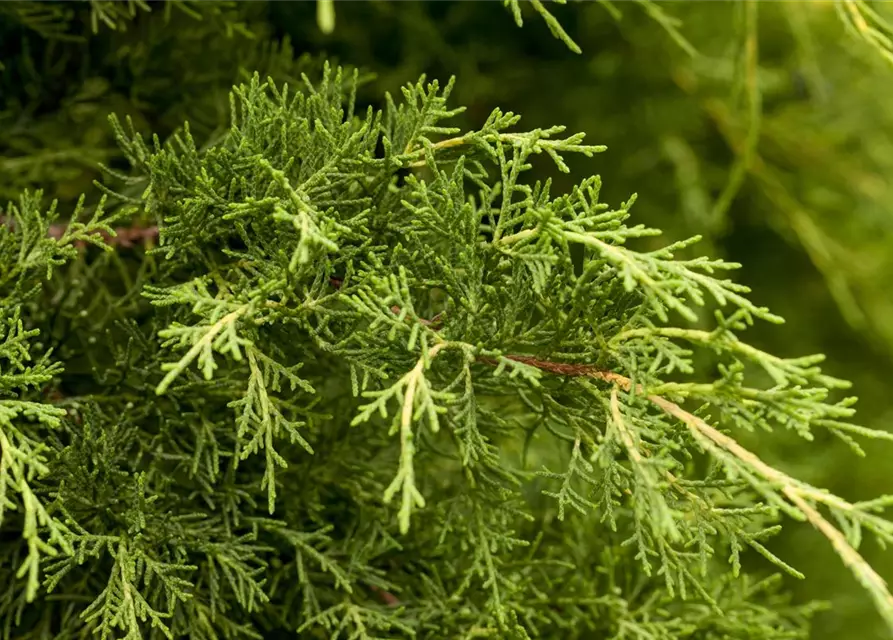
{"x":388,"y":489}
{"x":202,"y":348}
{"x":719,"y":445}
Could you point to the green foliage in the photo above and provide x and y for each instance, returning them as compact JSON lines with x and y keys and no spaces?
{"x":330,"y":390}
{"x":800,"y":158}
{"x":373,"y":372}
{"x":55,"y":20}
{"x":651,"y":8}
{"x":59,"y":89}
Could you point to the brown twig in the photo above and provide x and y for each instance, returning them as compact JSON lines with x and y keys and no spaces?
{"x":123,"y":236}
{"x":386,"y":597}
{"x":558,"y":368}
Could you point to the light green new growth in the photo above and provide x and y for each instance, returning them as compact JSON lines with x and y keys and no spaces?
{"x":652,"y":9}
{"x":864,"y":23}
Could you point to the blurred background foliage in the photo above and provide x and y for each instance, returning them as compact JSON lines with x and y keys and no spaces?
{"x":765,"y":128}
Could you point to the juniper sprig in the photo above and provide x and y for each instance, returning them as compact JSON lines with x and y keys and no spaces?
{"x":370,"y":382}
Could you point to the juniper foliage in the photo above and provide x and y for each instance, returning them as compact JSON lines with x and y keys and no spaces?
{"x":175,"y":590}
{"x":780,"y":116}
{"x":372,"y":382}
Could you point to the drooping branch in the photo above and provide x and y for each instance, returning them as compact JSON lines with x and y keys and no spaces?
{"x":798,"y":493}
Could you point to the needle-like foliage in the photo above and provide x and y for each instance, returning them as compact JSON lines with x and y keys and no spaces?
{"x":371,"y":382}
